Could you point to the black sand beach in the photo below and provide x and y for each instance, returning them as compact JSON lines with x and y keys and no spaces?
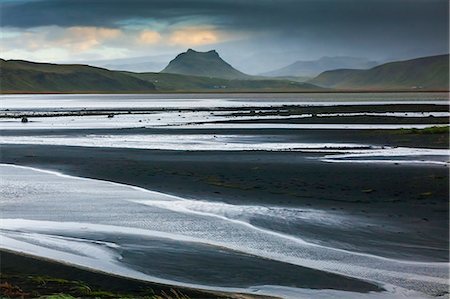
{"x":279,"y":178}
{"x":391,"y":210}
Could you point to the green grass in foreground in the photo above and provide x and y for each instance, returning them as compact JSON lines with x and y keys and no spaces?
{"x":44,"y":287}
{"x":430,"y":130}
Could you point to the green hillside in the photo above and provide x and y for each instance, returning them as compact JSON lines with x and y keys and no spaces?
{"x":184,"y":83}
{"x":18,"y":76}
{"x":427,"y":73}
{"x":204,"y":64}
{"x":30,"y":77}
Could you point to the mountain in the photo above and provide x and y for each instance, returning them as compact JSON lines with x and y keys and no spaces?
{"x":311,"y":68}
{"x":426,"y":73}
{"x":250,"y":61}
{"x":24,"y":76}
{"x":18,"y":76}
{"x":204,"y":64}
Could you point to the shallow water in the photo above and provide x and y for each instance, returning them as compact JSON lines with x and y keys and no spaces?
{"x":330,"y":152}
{"x":113,"y":227}
{"x":216,"y":245}
{"x":97,"y":101}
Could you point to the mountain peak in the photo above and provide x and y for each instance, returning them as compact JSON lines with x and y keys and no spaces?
{"x":205,"y":64}
{"x":193,"y":52}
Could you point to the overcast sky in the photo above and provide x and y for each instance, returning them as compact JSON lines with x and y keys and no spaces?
{"x":244,"y":32}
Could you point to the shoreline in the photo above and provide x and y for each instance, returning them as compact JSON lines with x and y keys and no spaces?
{"x":17,"y":265}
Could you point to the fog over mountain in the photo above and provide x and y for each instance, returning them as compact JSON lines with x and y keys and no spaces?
{"x":312,"y":68}
{"x":150,"y":63}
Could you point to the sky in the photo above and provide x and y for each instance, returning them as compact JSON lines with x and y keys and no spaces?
{"x":254,"y":35}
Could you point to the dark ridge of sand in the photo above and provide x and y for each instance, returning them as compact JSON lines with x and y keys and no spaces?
{"x":398,"y":137}
{"x":283,"y":110}
{"x":342,"y":120}
{"x":410,"y":197}
{"x":15,"y":269}
{"x":286,"y":110}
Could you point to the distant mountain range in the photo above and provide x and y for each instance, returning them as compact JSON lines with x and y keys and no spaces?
{"x":135,"y":64}
{"x":204,"y":64}
{"x":145,"y":66}
{"x":18,"y":76}
{"x":194,"y":71}
{"x":312,"y":68}
{"x":427,"y":73}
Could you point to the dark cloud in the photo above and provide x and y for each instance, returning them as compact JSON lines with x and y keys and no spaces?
{"x":245,"y":14}
{"x":393,"y":26}
{"x":110,"y":13}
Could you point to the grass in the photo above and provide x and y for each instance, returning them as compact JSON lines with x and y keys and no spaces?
{"x":426,"y":73}
{"x":8,"y":290}
{"x":430,"y":130}
{"x":58,"y":296}
{"x":23,"y":76}
{"x":45,"y":287}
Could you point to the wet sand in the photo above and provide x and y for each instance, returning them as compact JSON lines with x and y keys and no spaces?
{"x":17,"y":267}
{"x":278,"y":178}
{"x":399,"y":210}
{"x":108,"y":237}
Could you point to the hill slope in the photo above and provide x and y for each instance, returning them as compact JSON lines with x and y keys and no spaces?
{"x":184,"y":83}
{"x":205,"y":64}
{"x":28,"y":77}
{"x":314,"y":67}
{"x":427,"y":73}
{"x":23,"y":76}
